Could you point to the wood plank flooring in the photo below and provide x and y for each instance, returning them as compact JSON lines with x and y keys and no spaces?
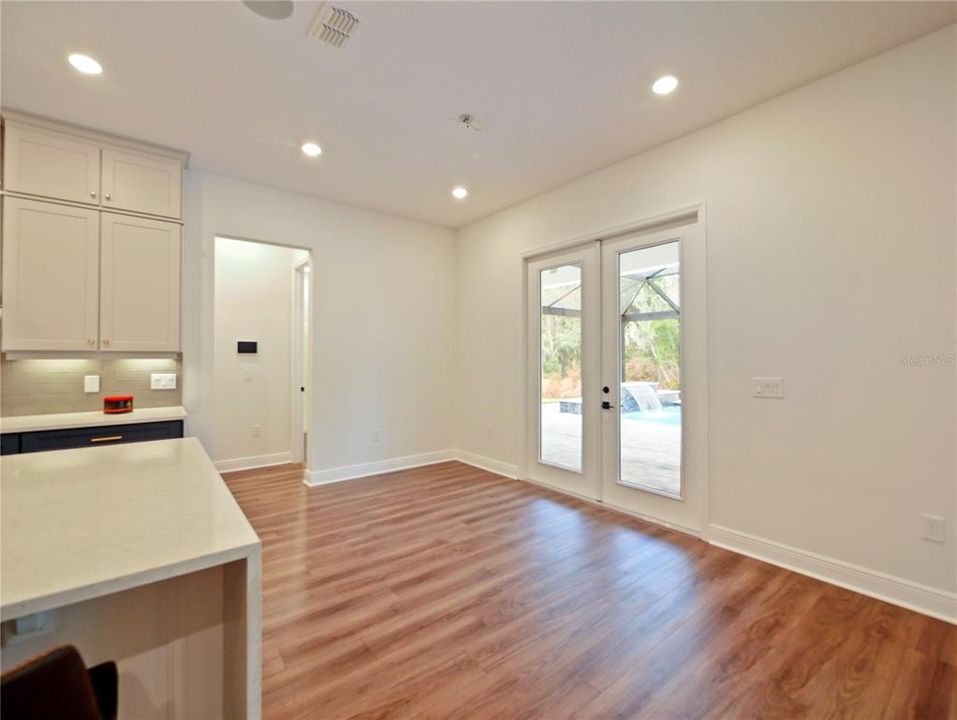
{"x":450,"y":592}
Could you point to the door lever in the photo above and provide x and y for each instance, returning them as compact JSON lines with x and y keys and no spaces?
{"x":605,"y":405}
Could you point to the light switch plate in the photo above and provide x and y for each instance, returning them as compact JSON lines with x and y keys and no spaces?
{"x":768,"y":387}
{"x":934,"y":528}
{"x":162,"y":381}
{"x":91,"y":383}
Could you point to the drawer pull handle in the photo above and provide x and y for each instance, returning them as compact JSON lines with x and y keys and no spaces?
{"x":106,"y":438}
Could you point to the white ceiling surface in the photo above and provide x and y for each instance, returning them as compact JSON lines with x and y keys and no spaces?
{"x":561,"y":87}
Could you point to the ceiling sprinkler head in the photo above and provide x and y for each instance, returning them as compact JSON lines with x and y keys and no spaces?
{"x":469,"y":121}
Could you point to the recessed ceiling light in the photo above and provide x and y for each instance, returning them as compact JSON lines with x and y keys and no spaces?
{"x":270,"y":9}
{"x":460,"y":193}
{"x":665,"y":85}
{"x":312,"y":149}
{"x":85,"y":64}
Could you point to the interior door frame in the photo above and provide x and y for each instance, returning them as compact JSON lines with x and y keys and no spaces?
{"x":694,"y":212}
{"x":301,"y":373}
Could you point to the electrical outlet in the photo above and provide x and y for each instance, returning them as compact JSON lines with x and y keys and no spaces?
{"x":91,"y":383}
{"x":488,"y":433}
{"x":768,"y":387}
{"x":29,"y":627}
{"x":162,"y":381}
{"x":257,"y":430}
{"x":934,"y":528}
{"x":247,"y":375}
{"x":376,"y":434}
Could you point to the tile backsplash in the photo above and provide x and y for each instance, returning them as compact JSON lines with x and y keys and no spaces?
{"x":36,"y":387}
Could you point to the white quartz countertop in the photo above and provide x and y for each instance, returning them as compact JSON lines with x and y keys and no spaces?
{"x":60,"y":421}
{"x":79,"y":524}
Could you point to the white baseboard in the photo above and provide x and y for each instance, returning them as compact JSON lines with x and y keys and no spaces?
{"x":486,"y":463}
{"x":253,"y":461}
{"x":897,"y":591}
{"x":353,"y":472}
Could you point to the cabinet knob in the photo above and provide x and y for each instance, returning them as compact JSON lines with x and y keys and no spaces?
{"x":91,"y":341}
{"x":106,"y":341}
{"x":92,"y":193}
{"x":107,"y":196}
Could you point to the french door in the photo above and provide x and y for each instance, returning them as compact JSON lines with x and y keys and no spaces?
{"x":617,"y":373}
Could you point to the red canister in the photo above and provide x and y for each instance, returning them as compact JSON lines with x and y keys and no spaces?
{"x":113,"y":404}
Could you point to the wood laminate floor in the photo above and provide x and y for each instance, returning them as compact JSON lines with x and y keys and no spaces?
{"x":450,"y":592}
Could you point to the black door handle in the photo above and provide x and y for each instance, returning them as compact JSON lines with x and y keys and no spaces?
{"x":605,"y":405}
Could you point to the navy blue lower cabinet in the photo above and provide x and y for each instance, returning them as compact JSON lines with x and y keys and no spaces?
{"x":96,"y":436}
{"x":10,"y":444}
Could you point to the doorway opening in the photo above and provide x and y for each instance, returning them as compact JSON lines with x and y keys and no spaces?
{"x":262,"y":354}
{"x":301,"y":359}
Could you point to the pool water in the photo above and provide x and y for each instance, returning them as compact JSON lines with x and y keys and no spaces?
{"x":670,"y":415}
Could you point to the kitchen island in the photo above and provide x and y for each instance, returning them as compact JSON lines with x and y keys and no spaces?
{"x":143,"y":557}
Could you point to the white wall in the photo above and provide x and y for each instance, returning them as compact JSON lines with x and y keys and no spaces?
{"x":831,"y":238}
{"x":253,"y":299}
{"x":382,"y":314}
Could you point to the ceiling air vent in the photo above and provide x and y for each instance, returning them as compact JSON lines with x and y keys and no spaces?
{"x":332,"y":25}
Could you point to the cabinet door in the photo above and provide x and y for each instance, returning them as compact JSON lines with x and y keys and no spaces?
{"x":139,"y":284}
{"x":51,"y":165}
{"x":50,"y":276}
{"x":141,"y":183}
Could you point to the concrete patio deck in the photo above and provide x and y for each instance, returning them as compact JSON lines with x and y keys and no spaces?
{"x":650,"y":451}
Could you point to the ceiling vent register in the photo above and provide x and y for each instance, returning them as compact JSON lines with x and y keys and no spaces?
{"x":332,"y":25}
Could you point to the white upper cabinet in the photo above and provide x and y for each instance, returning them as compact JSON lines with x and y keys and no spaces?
{"x":139,"y":284}
{"x":50,"y":276}
{"x":51,"y":165}
{"x":91,"y":240}
{"x":141,"y":183}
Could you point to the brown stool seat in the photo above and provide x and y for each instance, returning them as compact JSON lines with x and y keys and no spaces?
{"x":58,"y":686}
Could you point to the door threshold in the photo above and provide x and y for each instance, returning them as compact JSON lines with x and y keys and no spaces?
{"x":620,"y":510}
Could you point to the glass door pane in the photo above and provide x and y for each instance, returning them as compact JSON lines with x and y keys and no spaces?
{"x":563,"y":345}
{"x":649,"y":330}
{"x":560,"y":366}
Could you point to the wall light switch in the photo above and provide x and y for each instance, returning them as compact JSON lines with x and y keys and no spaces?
{"x":768,"y":387}
{"x":91,"y":383}
{"x":162,"y":381}
{"x":934,"y":528}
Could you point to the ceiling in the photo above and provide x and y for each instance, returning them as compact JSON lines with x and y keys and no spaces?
{"x":562,"y":88}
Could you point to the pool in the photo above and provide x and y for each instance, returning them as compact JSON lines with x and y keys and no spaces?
{"x":670,"y":415}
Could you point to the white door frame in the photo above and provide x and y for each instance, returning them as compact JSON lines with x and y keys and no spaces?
{"x":695,"y":212}
{"x":301,"y":374}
